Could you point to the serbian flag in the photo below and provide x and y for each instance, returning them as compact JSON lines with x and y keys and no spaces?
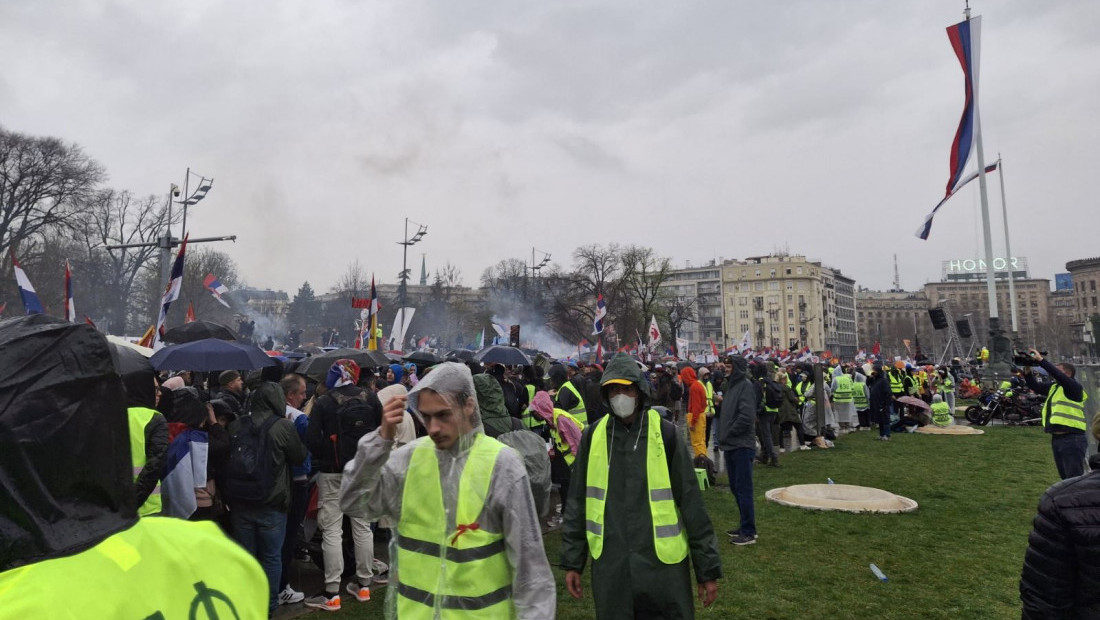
{"x":654,"y":331}
{"x":926,"y":228}
{"x":190,"y":318}
{"x":216,"y":288}
{"x":601,"y":312}
{"x":965,"y":38}
{"x":70,"y":307}
{"x":31,"y":304}
{"x":147,"y":339}
{"x":171,"y":293}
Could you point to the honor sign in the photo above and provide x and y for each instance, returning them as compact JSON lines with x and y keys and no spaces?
{"x":974,"y":268}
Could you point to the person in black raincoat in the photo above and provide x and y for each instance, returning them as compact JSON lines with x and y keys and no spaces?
{"x":628,"y":579}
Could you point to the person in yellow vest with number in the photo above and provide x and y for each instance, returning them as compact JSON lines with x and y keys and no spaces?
{"x":1064,"y":415}
{"x":941,"y":412}
{"x":636,"y":508}
{"x":73,"y":545}
{"x":467,"y":542}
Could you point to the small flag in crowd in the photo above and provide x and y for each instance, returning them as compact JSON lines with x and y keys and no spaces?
{"x":372,"y":317}
{"x":654,"y":331}
{"x":601,"y":312}
{"x":89,"y":321}
{"x":70,"y":307}
{"x":875,"y":350}
{"x":171,"y":293}
{"x":216,"y":288}
{"x":31,"y":304}
{"x":713,"y":348}
{"x":190,"y":318}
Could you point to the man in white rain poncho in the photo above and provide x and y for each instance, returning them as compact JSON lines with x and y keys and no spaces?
{"x":842,"y":399}
{"x":467,"y":539}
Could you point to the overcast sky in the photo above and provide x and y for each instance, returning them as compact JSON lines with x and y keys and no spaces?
{"x":705,"y":129}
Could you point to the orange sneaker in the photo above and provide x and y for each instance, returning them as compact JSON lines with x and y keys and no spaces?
{"x":324,"y":601}
{"x":362,"y":593}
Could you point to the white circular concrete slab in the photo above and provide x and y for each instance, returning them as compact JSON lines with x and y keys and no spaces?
{"x":842,"y":497}
{"x":954,"y":429}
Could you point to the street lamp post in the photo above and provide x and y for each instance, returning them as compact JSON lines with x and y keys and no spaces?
{"x":403,"y":292}
{"x":535,"y":268}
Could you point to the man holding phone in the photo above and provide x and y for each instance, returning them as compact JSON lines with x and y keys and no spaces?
{"x":1064,"y":416}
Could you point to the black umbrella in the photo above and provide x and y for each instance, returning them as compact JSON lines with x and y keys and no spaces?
{"x":424,"y":358}
{"x":210,"y":354}
{"x":464,"y":355}
{"x":198,"y":330}
{"x":128,"y":361}
{"x":316,"y":367}
{"x":500,"y":354}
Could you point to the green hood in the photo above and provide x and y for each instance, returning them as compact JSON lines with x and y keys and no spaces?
{"x":267,"y":400}
{"x":622,"y":366}
{"x":490,"y":399}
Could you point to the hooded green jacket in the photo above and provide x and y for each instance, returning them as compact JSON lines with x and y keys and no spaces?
{"x":628,"y":577}
{"x":490,"y":402}
{"x":287,"y":448}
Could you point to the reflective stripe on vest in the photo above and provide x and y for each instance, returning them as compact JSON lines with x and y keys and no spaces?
{"x":457,"y":573}
{"x":897,"y":382}
{"x":1060,"y":410}
{"x":669,"y":537}
{"x":859,"y":395}
{"x":800,"y":391}
{"x":160,"y":567}
{"x":843,"y":393}
{"x":530,"y":419}
{"x":560,"y":444}
{"x":139,"y":418}
{"x":941,"y":414}
{"x":710,"y":398}
{"x":579,"y":410}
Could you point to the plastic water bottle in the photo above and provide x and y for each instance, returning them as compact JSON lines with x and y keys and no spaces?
{"x":830,"y":480}
{"x":878,"y":573}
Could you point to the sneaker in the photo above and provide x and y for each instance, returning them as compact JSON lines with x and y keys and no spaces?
{"x":742,"y":540}
{"x":289,"y":596}
{"x":733,"y":532}
{"x":803,"y":447}
{"x":359,"y":591}
{"x":324,"y":601}
{"x":379,"y":580}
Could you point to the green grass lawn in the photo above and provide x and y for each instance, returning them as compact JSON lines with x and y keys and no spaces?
{"x":957,"y":556}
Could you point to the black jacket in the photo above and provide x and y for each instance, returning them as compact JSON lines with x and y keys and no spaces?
{"x":1061,"y":576}
{"x":1070,"y":386}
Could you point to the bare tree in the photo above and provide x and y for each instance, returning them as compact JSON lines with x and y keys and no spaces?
{"x":643,"y":273}
{"x":43,"y":181}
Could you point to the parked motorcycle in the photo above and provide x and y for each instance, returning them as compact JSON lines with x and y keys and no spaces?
{"x":1023,"y":408}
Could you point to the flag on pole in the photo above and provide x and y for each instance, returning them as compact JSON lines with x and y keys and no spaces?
{"x":713,"y":348}
{"x":31,"y":304}
{"x":601,"y":312}
{"x":70,"y":307}
{"x":599,"y":350}
{"x":926,"y":228}
{"x":875,"y":350}
{"x":190,"y":318}
{"x":171,"y":293}
{"x":654,"y":331}
{"x":147,"y":339}
{"x":372,"y":317}
{"x":481,"y":339}
{"x":216,"y":288}
{"x":89,"y":321}
{"x":746,"y":342}
{"x":965,"y":39}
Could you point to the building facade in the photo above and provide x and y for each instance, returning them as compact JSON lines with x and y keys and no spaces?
{"x":699,"y":288}
{"x":1086,"y":304}
{"x":892,"y":318}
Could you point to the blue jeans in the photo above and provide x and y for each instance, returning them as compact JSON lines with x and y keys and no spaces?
{"x":739,"y":467}
{"x":1069,"y":454}
{"x":261,"y":532}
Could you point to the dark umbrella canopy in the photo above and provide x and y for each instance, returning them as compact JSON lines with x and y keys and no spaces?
{"x":500,"y":354}
{"x":317,"y":366}
{"x":210,"y":354}
{"x":464,"y":355}
{"x":198,"y":330}
{"x":426,"y":358}
{"x":127,"y":361}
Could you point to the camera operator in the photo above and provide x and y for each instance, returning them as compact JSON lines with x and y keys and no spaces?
{"x":1063,"y":414}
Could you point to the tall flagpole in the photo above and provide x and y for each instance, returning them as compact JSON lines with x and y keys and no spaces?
{"x":991,"y":284}
{"x":1008,"y":247}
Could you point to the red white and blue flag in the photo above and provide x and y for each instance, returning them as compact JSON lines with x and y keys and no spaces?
{"x":926,"y":227}
{"x":965,"y":38}
{"x":601,"y":312}
{"x":70,"y":307}
{"x":31,"y":303}
{"x":216,"y":288}
{"x":171,"y":293}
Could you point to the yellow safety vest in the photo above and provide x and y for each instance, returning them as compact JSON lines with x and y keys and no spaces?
{"x":530,"y":419}
{"x":461,"y":572}
{"x":941,"y":414}
{"x":947,"y":385}
{"x":139,"y":418}
{"x":859,"y":395}
{"x":897,"y":382}
{"x":1069,"y":413}
{"x":159,"y":568}
{"x":800,"y":391}
{"x":669,"y":537}
{"x":560,"y":444}
{"x":710,"y":398}
{"x":579,"y":410}
{"x":843,"y":393}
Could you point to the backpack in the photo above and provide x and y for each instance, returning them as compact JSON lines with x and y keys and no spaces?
{"x":773,"y":394}
{"x":249,"y":472}
{"x":354,"y":419}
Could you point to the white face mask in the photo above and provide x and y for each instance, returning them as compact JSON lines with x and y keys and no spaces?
{"x":622,"y":405}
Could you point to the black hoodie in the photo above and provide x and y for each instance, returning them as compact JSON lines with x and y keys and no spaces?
{"x":65,"y":481}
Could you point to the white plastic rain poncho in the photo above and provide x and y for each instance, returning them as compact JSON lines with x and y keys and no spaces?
{"x":374,"y":483}
{"x":845,"y":412}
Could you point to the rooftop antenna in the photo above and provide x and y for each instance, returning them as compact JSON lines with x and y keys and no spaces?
{"x":897,"y":275}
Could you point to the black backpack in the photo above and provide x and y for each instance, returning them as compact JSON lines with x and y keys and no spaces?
{"x":249,"y":472}
{"x":773,"y":394}
{"x":355,"y":418}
